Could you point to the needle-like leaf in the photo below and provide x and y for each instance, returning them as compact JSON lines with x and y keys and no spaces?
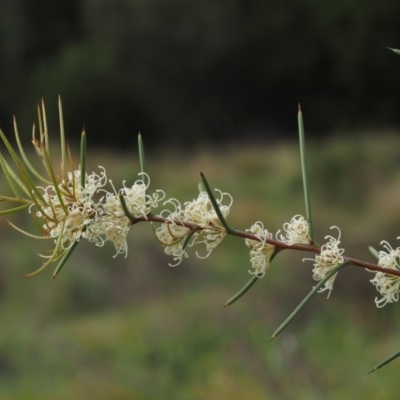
{"x":131,"y":217}
{"x":386,"y":361}
{"x":23,"y":154}
{"x":304,"y":174}
{"x":14,"y":210}
{"x":397,"y":51}
{"x":374,"y":252}
{"x":307,"y":299}
{"x":83,"y":158}
{"x":242,"y":291}
{"x":62,"y":140}
{"x":64,"y":259}
{"x":8,"y":174}
{"x":215,"y":205}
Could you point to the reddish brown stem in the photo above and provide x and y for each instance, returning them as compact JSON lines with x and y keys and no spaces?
{"x":276,"y":243}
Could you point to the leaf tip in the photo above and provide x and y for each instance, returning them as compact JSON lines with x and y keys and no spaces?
{"x":271,"y":338}
{"x":397,"y":51}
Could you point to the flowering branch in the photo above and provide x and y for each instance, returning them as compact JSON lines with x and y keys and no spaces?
{"x":69,"y":204}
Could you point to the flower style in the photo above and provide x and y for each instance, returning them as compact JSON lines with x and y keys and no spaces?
{"x":260,"y":251}
{"x":206,"y":228}
{"x":387,"y":285}
{"x":329,"y":258}
{"x":296,"y":231}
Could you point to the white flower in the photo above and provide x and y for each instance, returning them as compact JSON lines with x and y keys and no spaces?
{"x":70,"y":212}
{"x":296,"y":231}
{"x":137,"y":201}
{"x":113,"y":225}
{"x":199,"y":212}
{"x":74,"y":211}
{"x":260,"y":251}
{"x":329,"y":258}
{"x":387,"y":285}
{"x":172,"y":234}
{"x":172,"y":237}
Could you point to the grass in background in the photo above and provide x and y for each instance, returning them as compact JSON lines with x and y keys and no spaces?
{"x":134,"y":328}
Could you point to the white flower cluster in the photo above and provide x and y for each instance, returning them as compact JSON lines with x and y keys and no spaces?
{"x":388,"y":285}
{"x":72,"y":211}
{"x":207,"y":228}
{"x":260,"y":250}
{"x":329,"y":258}
{"x":296,"y":231}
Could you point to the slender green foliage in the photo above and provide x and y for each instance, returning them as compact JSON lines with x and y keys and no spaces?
{"x":304,"y":174}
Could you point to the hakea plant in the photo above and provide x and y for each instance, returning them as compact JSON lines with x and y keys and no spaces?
{"x":68,"y":205}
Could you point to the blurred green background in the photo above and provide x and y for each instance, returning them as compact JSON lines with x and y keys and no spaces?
{"x":134,"y":328}
{"x":214,"y":87}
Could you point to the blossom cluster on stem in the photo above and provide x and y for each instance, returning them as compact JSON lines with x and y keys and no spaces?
{"x":75,"y":205}
{"x":330,"y":257}
{"x":174,"y":234}
{"x":387,"y":285}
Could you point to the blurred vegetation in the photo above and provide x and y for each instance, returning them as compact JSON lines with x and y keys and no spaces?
{"x":191,"y":72}
{"x":133,"y":328}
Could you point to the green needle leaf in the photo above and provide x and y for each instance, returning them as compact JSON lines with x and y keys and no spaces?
{"x":62,"y":140}
{"x":374,"y":252}
{"x":8,"y":172}
{"x":304,"y":173}
{"x":307,"y":299}
{"x":29,"y":184}
{"x":46,"y":129}
{"x":385,"y":361}
{"x":23,"y":154}
{"x":142,"y":161}
{"x":55,"y":255}
{"x":242,"y":291}
{"x":64,"y":259}
{"x":83,"y":158}
{"x":249,"y":284}
{"x":10,"y":148}
{"x":397,"y":51}
{"x":188,"y":237}
{"x":215,"y":205}
{"x":15,"y":209}
{"x":54,"y":181}
{"x":131,"y":217}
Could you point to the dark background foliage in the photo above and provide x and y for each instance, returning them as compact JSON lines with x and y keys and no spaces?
{"x":188,"y":72}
